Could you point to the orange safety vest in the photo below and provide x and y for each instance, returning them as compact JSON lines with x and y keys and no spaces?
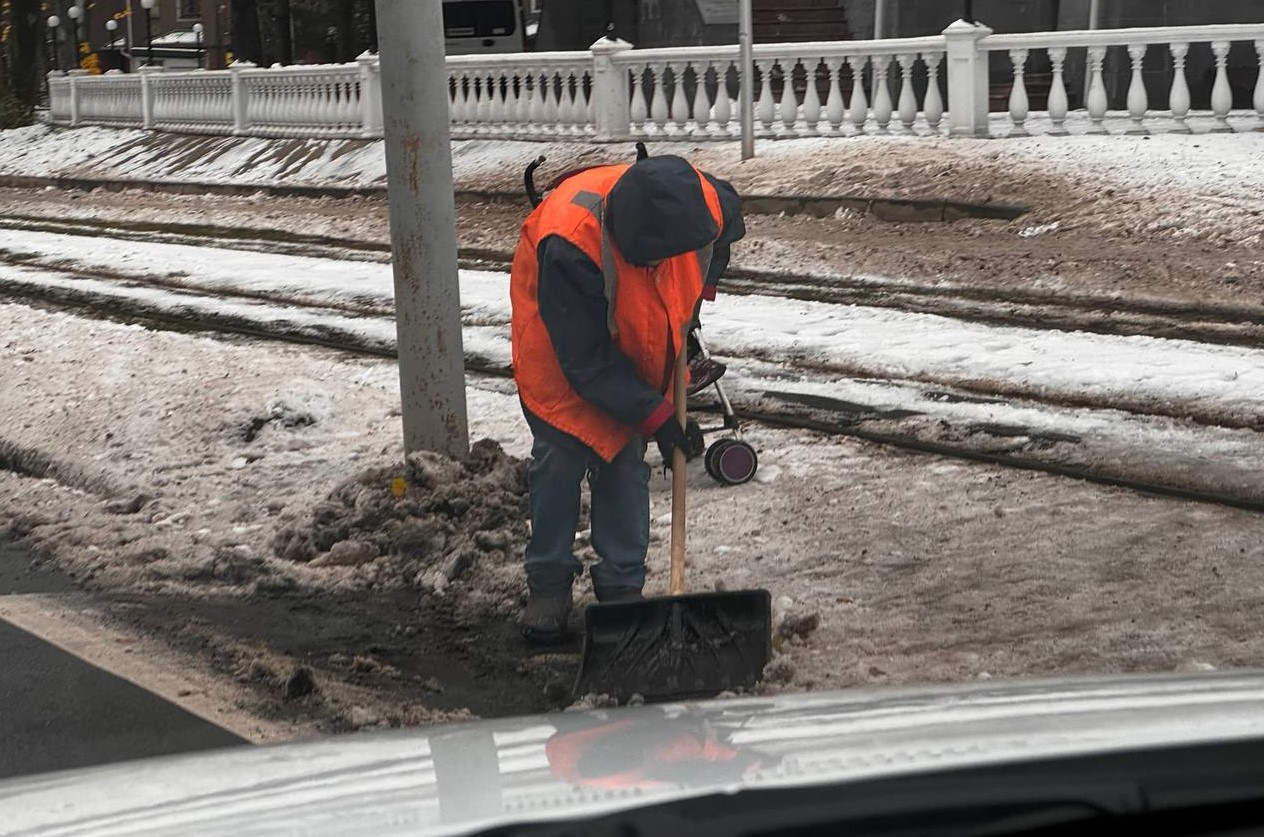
{"x":649,"y":309}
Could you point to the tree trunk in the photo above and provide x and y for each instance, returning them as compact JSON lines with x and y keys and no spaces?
{"x":285,"y":29}
{"x":24,"y":50}
{"x":246,"y":42}
{"x":348,"y":43}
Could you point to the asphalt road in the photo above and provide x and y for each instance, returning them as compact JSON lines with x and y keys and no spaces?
{"x":59,"y":712}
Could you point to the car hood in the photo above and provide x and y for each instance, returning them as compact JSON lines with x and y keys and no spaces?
{"x":462,"y":778}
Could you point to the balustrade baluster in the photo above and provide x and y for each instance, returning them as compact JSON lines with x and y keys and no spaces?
{"x":835,"y":107}
{"x":555,"y":116}
{"x":503,"y":104}
{"x":496,"y":105}
{"x":327,"y":92}
{"x":353,"y":107}
{"x":590,"y":107}
{"x":469,"y":102}
{"x":1221,"y":92}
{"x":908,"y":99}
{"x":454,"y":103}
{"x":483,"y":104}
{"x":579,"y":105}
{"x":702,"y":124}
{"x":788,"y":108}
{"x":1179,"y":95}
{"x":1058,"y":106}
{"x":811,"y":98}
{"x":679,"y":113}
{"x":722,"y":113}
{"x":765,"y":108}
{"x":523,"y":101}
{"x":559,"y":124}
{"x":539,"y":102}
{"x":1138,"y":99}
{"x":882,"y":107}
{"x":1259,"y":85}
{"x":658,"y":107}
{"x":858,"y":113}
{"x":1019,"y":106}
{"x":1096,"y":91}
{"x":640,"y":110}
{"x":934,"y":106}
{"x":570,"y":103}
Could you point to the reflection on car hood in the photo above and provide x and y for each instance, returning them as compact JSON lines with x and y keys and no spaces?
{"x":460,"y":778}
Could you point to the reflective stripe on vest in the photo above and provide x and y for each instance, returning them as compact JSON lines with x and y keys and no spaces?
{"x":596,"y":204}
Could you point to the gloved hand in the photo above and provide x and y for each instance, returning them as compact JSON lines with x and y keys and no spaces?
{"x":671,"y":436}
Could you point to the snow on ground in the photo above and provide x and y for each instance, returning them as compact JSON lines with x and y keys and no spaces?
{"x":1224,"y":380}
{"x":1218,"y":163}
{"x":921,"y":569}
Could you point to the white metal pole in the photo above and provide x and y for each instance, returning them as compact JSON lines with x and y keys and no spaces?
{"x":423,"y":226}
{"x":746,"y":98}
{"x":879,"y":19}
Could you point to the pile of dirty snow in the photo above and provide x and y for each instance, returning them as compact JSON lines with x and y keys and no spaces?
{"x":428,"y":524}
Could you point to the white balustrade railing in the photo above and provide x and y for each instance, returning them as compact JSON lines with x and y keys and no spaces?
{"x":525,"y":96}
{"x":910,"y":86}
{"x":826,"y":88}
{"x":1169,"y":44}
{"x":306,"y":101}
{"x":196,"y":102}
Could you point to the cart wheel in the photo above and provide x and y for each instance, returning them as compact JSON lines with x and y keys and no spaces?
{"x":712,"y":455}
{"x":735,"y":463}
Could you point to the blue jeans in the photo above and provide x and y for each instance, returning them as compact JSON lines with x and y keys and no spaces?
{"x":620,"y":512}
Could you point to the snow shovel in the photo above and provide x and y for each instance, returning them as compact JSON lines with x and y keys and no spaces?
{"x":677,"y":646}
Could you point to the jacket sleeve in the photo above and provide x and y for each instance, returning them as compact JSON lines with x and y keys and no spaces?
{"x":572,"y":303}
{"x":734,"y":229}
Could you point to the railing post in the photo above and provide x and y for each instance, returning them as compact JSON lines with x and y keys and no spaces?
{"x":610,"y":90}
{"x":241,"y":113}
{"x":967,"y":80}
{"x":74,"y":95}
{"x":147,"y":96}
{"x":54,"y":83}
{"x":370,"y":95}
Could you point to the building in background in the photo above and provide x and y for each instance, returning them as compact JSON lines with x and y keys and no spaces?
{"x":175,"y":42}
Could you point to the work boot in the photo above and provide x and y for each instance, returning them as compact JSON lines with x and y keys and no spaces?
{"x":703,"y":373}
{"x":543,"y":620}
{"x":611,"y":595}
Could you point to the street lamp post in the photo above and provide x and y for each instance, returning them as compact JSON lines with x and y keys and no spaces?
{"x":969,"y":12}
{"x":197,"y":33}
{"x":111,"y":26}
{"x":148,"y":5}
{"x":53,"y":23}
{"x":75,"y":13}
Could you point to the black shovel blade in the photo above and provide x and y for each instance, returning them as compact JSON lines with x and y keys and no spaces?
{"x":676,"y":647}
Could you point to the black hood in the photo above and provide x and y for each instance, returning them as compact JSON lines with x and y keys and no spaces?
{"x":657,"y":210}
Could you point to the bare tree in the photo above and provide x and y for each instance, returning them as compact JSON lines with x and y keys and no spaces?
{"x":247,"y":44}
{"x":285,"y":31}
{"x":22,"y":50}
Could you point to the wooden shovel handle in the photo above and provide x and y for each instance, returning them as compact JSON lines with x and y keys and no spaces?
{"x":678,"y":482}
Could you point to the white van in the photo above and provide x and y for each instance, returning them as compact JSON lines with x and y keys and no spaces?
{"x":473,"y":26}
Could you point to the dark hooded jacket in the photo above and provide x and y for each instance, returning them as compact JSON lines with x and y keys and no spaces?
{"x":656,"y":210}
